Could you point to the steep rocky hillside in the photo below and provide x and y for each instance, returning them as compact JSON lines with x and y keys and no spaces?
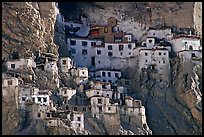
{"x":27,"y":27}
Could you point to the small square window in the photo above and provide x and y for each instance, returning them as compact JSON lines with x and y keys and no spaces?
{"x":163,"y":61}
{"x":107,"y":95}
{"x":84,"y":52}
{"x":65,"y":92}
{"x":146,"y":54}
{"x":164,"y":53}
{"x":99,"y":101}
{"x":12,"y":65}
{"x":121,"y":53}
{"x":110,"y":47}
{"x":150,"y":41}
{"x":33,"y":99}
{"x":159,"y":53}
{"x":116,"y":75}
{"x":73,"y":42}
{"x":44,"y":99}
{"x":193,"y":55}
{"x":129,"y":46}
{"x":120,"y":47}
{"x":23,"y":98}
{"x":84,"y":43}
{"x":39,"y":99}
{"x":98,"y":52}
{"x":103,"y":74}
{"x":75,"y":108}
{"x":78,"y":118}
{"x":109,"y":81}
{"x":109,"y":108}
{"x":39,"y":115}
{"x":93,"y":43}
{"x":64,"y":62}
{"x":109,"y":74}
{"x":84,"y":109}
{"x":97,"y":93}
{"x":110,"y":54}
{"x":129,"y":53}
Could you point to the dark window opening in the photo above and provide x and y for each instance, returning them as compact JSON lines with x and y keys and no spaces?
{"x":12,"y":65}
{"x":103,"y":74}
{"x":109,"y":81}
{"x":93,"y":61}
{"x":120,"y":47}
{"x":129,"y":46}
{"x":44,"y":99}
{"x":98,"y":93}
{"x":23,"y":98}
{"x":48,"y":114}
{"x":64,"y":62}
{"x":159,"y":53}
{"x":98,"y":52}
{"x":84,"y":43}
{"x":193,"y":55}
{"x":116,"y":75}
{"x":190,"y":47}
{"x":73,"y":42}
{"x":100,"y":109}
{"x":99,"y":101}
{"x":75,"y":108}
{"x":65,"y":92}
{"x":39,"y":115}
{"x":150,"y":41}
{"x":109,"y":108}
{"x":110,"y":47}
{"x":109,"y":74}
{"x":121,"y":53}
{"x":110,"y":54}
{"x":93,"y":43}
{"x":39,"y":99}
{"x":84,"y":109}
{"x":78,"y":118}
{"x":73,"y":51}
{"x":146,"y":54}
{"x":84,"y":52}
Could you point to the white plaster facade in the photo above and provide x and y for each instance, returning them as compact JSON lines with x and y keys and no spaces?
{"x":104,"y":93}
{"x":160,"y":33}
{"x":66,"y":92}
{"x":82,"y":50}
{"x":111,"y":76}
{"x":9,"y":82}
{"x":66,"y":64}
{"x":101,"y":105}
{"x":80,"y":74}
{"x":19,"y":63}
{"x":185,"y":43}
{"x":100,"y":85}
{"x":158,"y":58}
{"x":77,"y":120}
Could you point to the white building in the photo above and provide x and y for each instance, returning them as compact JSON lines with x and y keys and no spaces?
{"x":155,"y":59}
{"x":134,"y":108}
{"x":160,"y":33}
{"x":111,"y":76}
{"x":181,"y":43}
{"x":80,"y":75}
{"x":104,"y":93}
{"x":51,"y":67}
{"x":42,"y":97}
{"x":66,"y":92}
{"x":82,"y":50}
{"x":77,"y":120}
{"x":9,"y":82}
{"x":65,"y":64}
{"x":100,"y":85}
{"x":120,"y":94}
{"x":26,"y":93}
{"x":101,"y":105}
{"x":20,"y":63}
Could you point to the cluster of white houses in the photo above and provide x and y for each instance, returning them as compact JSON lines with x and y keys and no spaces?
{"x":96,"y":61}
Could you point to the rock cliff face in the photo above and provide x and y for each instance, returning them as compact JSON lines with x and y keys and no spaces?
{"x":174,"y":108}
{"x":27,"y":27}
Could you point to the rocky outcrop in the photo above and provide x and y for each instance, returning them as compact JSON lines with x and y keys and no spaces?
{"x":27,"y":27}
